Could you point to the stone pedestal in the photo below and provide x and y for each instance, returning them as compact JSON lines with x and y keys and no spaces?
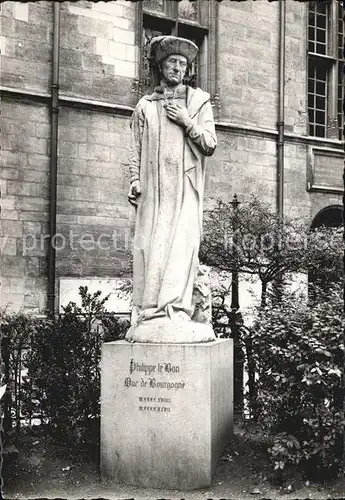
{"x":166,"y":412}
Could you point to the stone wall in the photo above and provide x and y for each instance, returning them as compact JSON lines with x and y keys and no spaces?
{"x":99,"y":58}
{"x":26,"y":45}
{"x":24,"y":203}
{"x":243,"y":164}
{"x":248,"y":62}
{"x":296,"y":75}
{"x":94,"y":217}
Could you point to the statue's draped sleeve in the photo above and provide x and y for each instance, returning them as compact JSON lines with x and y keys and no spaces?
{"x":137,"y":127}
{"x":203,"y":134}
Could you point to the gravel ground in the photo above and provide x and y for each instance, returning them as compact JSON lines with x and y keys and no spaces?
{"x":45,"y":469}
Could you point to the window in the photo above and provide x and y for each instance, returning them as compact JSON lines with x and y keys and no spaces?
{"x":194,"y":20}
{"x":341,"y":67}
{"x":325,"y":68}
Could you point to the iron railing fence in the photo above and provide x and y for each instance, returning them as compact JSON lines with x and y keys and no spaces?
{"x":22,"y":402}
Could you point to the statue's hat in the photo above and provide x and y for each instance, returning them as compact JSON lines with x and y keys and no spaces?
{"x":163,"y":46}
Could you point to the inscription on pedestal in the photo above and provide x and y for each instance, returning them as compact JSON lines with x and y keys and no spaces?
{"x":148,"y":380}
{"x":156,"y":407}
{"x":166,"y":412}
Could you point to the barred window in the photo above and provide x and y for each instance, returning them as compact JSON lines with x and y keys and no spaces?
{"x":325,"y":66}
{"x":318,"y":27}
{"x":317,"y":100}
{"x":186,"y":18}
{"x":341,"y":67}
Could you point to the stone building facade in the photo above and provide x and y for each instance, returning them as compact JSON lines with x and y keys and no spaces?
{"x":102,"y":74}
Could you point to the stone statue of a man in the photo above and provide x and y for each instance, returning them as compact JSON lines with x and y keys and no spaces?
{"x":173,"y":131}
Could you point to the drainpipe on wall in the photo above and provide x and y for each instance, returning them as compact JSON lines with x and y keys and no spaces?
{"x":53,"y":159}
{"x":281,"y":95}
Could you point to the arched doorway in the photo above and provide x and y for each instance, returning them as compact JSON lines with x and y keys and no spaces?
{"x":332,"y":216}
{"x":329,"y":217}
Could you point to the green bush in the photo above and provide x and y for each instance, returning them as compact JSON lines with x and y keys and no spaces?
{"x":299,"y":358}
{"x":62,"y":359}
{"x":252,"y":240}
{"x":17,"y":329}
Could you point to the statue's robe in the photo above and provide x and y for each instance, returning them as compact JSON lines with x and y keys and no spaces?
{"x":170,"y":163}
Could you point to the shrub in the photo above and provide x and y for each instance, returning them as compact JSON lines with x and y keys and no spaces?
{"x":298,"y":351}
{"x":252,"y":240}
{"x":62,"y":358}
{"x":17,"y":329}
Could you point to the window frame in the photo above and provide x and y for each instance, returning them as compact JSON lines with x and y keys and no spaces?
{"x":332,"y":125}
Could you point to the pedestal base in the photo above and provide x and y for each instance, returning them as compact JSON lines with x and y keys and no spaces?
{"x":166,"y":412}
{"x":163,"y":330}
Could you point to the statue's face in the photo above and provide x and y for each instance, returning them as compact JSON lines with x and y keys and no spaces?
{"x":173,"y":69}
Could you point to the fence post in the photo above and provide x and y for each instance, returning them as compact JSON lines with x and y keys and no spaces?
{"x":237,"y":323}
{"x":236,"y":318}
{"x":18,"y":384}
{"x":7,"y":399}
